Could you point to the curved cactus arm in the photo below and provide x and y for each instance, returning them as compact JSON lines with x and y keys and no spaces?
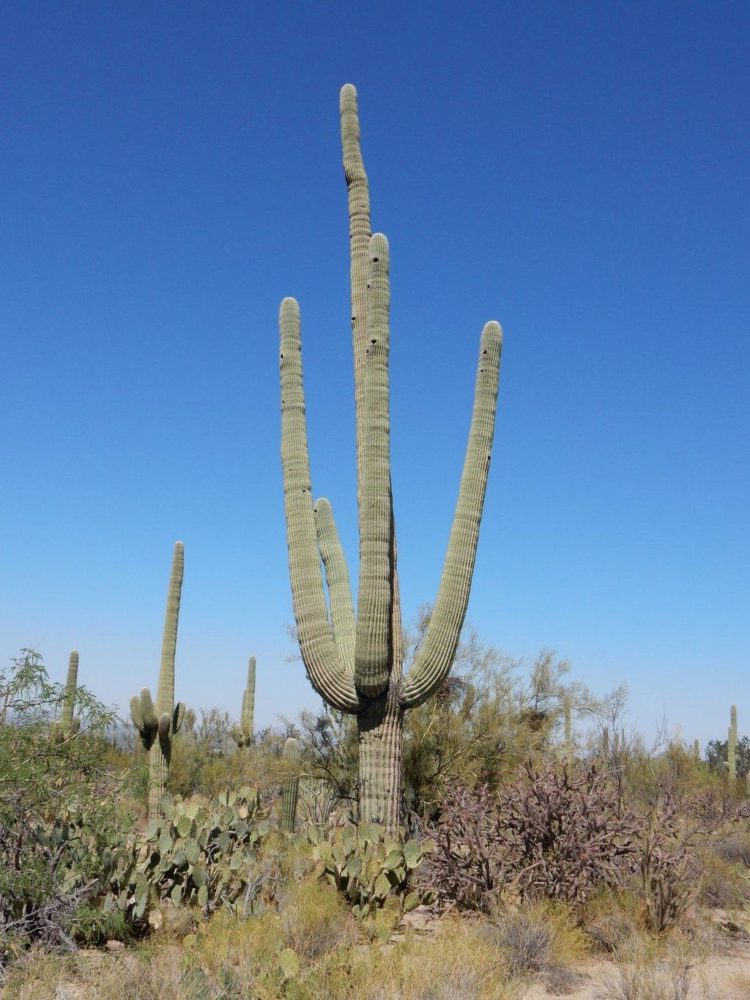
{"x":69,"y":698}
{"x":317,"y":645}
{"x":372,"y":652}
{"x":337,"y":578}
{"x":178,"y":717}
{"x":435,"y":656}
{"x":359,"y":247}
{"x":165,"y":690}
{"x":144,"y":717}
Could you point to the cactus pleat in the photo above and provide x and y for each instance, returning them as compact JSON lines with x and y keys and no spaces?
{"x":158,"y":724}
{"x":68,"y":723}
{"x":355,"y":662}
{"x":290,"y":788}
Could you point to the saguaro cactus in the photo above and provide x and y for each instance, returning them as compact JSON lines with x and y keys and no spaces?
{"x":697,"y":750}
{"x":568,"y":727}
{"x":158,"y":725}
{"x":69,"y":725}
{"x":290,"y":788}
{"x":732,"y":744}
{"x":355,"y":662}
{"x":243,"y":734}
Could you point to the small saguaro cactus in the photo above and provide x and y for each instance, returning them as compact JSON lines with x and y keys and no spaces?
{"x":355,"y":661}
{"x":290,"y":788}
{"x":568,"y":727}
{"x":243,"y":734}
{"x":69,"y":725}
{"x":732,"y":744}
{"x":697,"y":750}
{"x":157,"y":725}
{"x":605,"y":743}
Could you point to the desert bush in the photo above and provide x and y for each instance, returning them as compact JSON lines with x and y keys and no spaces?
{"x":524,"y":937}
{"x":553,"y":833}
{"x":56,"y":804}
{"x":314,"y":919}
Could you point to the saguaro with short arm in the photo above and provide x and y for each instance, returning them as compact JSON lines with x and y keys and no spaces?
{"x":354,"y":661}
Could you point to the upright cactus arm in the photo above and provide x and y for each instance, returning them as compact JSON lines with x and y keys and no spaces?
{"x":165,"y":689}
{"x":435,"y":656}
{"x":317,"y":645}
{"x":337,"y":578}
{"x":373,"y":654}
{"x":144,"y":717}
{"x":359,"y":248}
{"x":67,"y":721}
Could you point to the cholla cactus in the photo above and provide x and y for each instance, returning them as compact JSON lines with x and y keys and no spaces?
{"x":69,"y":725}
{"x":290,"y":788}
{"x":355,"y":662}
{"x":732,"y":744}
{"x":243,"y":734}
{"x":158,"y":725}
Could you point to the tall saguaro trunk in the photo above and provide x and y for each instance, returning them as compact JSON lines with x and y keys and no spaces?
{"x":355,"y":661}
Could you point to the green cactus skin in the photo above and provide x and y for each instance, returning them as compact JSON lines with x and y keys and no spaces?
{"x":68,"y":724}
{"x":355,"y":661}
{"x":290,"y":788}
{"x":243,"y":734}
{"x":697,"y":750}
{"x":732,"y":744}
{"x":158,"y":725}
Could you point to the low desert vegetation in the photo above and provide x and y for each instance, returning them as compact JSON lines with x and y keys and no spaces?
{"x":536,"y":858}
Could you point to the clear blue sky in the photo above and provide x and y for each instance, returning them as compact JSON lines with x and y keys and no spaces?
{"x":578,"y":171}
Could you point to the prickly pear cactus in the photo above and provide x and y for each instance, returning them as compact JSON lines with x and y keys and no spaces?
{"x":158,"y":725}
{"x":243,"y":734}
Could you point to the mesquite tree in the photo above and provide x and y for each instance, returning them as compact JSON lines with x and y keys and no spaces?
{"x":355,"y":661}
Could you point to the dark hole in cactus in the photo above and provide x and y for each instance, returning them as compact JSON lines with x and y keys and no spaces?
{"x":375,"y":260}
{"x":373,"y":341}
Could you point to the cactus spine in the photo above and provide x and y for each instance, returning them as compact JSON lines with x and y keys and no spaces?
{"x":290,"y":788}
{"x":243,"y":734}
{"x":158,"y":725}
{"x":732,"y":744}
{"x":69,"y":725}
{"x":355,"y":662}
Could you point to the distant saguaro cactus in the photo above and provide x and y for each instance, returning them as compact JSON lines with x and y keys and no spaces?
{"x":697,"y":750}
{"x":605,"y":743}
{"x":732,"y":744}
{"x":568,"y":727}
{"x":69,"y":725}
{"x":243,"y":734}
{"x":158,"y":725}
{"x":356,"y":662}
{"x":290,"y":788}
